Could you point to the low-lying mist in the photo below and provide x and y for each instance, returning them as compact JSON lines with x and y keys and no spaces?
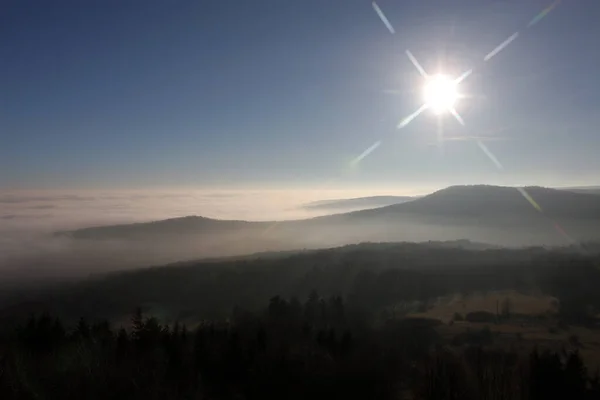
{"x":30,"y":252}
{"x":241,"y":223}
{"x":43,"y":257}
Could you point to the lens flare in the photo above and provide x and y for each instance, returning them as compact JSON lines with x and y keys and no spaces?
{"x":440,"y":93}
{"x":383,"y":18}
{"x":542,"y":14}
{"x":501,"y":46}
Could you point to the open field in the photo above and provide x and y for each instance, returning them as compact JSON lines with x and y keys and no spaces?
{"x":529,"y":304}
{"x":533,"y":323}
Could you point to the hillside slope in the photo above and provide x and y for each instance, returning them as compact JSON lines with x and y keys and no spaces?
{"x":499,"y":215}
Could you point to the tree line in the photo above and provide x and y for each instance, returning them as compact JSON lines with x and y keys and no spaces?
{"x":321,"y":347}
{"x":369,"y":276}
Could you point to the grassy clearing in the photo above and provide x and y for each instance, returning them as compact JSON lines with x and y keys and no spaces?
{"x":445,"y":308}
{"x":524,"y":333}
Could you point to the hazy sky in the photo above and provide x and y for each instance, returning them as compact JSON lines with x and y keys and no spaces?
{"x":274,"y":93}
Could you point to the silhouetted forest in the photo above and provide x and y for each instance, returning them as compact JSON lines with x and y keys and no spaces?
{"x":370,"y":277}
{"x":340,"y":327}
{"x":319,"y":348}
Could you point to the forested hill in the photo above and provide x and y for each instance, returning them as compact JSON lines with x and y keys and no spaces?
{"x":499,"y":215}
{"x":373,"y":275}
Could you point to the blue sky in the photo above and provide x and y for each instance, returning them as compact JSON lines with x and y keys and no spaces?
{"x":272,"y":93}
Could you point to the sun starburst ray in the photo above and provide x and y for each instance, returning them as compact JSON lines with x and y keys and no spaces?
{"x":365,"y":153}
{"x":464,"y":76}
{"x":405,"y":121}
{"x":418,"y":66}
{"x":530,"y":199}
{"x":456,"y":115}
{"x":501,"y":46}
{"x":543,"y":13}
{"x":488,"y":153}
{"x":383,"y":18}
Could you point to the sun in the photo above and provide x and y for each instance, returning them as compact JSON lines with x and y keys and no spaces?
{"x":440,"y":93}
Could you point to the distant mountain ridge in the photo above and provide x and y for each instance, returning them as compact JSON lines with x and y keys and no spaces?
{"x":482,"y":200}
{"x":457,"y":212}
{"x":584,"y":189}
{"x":359,"y":202}
{"x":179,"y":226}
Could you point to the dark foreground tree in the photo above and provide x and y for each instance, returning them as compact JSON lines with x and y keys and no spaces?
{"x":318,"y":350}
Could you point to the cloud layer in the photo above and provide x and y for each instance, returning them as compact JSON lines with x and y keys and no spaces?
{"x":53,"y":210}
{"x":27,"y":218}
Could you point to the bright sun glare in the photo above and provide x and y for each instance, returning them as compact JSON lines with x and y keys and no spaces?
{"x":440,"y":93}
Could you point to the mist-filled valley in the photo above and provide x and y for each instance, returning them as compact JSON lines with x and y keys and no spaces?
{"x":386,"y":292}
{"x":494,"y":215}
{"x":423,"y":318}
